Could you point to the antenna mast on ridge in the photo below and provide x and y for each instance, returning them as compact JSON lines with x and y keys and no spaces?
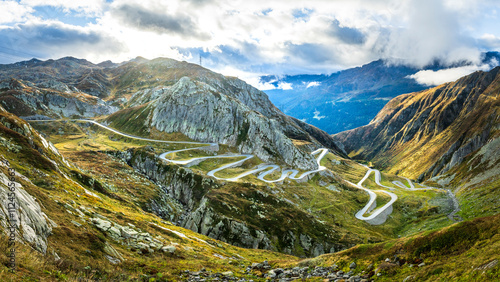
{"x":200,"y":60}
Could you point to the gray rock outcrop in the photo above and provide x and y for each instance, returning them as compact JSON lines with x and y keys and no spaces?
{"x":22,"y":212}
{"x":202,"y":113}
{"x":191,"y":190}
{"x":53,"y":98}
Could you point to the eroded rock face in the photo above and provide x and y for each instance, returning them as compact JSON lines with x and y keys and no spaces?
{"x":67,"y":106}
{"x":32,"y":224}
{"x":130,"y":236}
{"x":205,"y":221}
{"x":192,"y":191}
{"x":202,"y":113}
{"x":53,"y":98}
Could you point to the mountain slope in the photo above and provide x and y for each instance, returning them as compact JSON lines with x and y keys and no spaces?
{"x":466,"y":251}
{"x":72,"y":225}
{"x":180,"y":97}
{"x":102,"y":222}
{"x":208,"y":107}
{"x":77,"y":73}
{"x":170,"y":100}
{"x":448,"y":134}
{"x":352,"y":97}
{"x":50,"y":98}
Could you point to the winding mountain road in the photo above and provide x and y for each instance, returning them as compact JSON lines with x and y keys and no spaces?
{"x":267,"y":169}
{"x":379,"y":216}
{"x":412,"y":186}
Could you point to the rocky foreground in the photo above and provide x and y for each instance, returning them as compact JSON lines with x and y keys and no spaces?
{"x":264,"y":270}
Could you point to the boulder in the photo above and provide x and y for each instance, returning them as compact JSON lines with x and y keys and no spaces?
{"x":169,"y":249}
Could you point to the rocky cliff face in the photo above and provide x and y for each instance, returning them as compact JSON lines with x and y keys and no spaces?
{"x":427,"y":133}
{"x":209,"y":109}
{"x":50,"y":98}
{"x":208,"y":214}
{"x":21,"y":216}
{"x":202,"y":113}
{"x":23,"y":147}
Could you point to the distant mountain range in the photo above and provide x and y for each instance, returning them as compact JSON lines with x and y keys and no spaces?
{"x":350,"y":98}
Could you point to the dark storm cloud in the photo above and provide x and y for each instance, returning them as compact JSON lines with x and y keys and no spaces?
{"x":346,"y":34}
{"x":158,"y":21}
{"x":56,"y":34}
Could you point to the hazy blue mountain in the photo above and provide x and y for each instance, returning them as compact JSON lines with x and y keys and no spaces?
{"x":350,"y":98}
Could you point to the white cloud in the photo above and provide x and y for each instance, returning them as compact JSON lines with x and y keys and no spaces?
{"x":285,"y":85}
{"x":274,"y":36}
{"x":53,"y":39}
{"x":490,"y":41}
{"x":432,"y":78}
{"x":317,"y":116}
{"x":313,"y":84}
{"x":250,"y":78}
{"x":429,"y":30}
{"x":11,"y":11}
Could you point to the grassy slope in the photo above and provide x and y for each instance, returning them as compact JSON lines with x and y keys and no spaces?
{"x":456,"y":253}
{"x":476,"y":181}
{"x":80,"y":248}
{"x":120,"y":206}
{"x":414,"y":211}
{"x":314,"y":198}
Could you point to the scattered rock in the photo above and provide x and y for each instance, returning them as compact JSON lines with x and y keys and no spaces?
{"x":108,"y":249}
{"x":112,"y":259}
{"x":257,"y":265}
{"x":228,"y":273}
{"x":489,"y":265}
{"x":169,"y":249}
{"x":408,"y":278}
{"x":56,"y":256}
{"x":76,"y":223}
{"x":271,"y":274}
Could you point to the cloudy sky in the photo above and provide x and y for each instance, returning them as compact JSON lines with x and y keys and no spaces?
{"x":252,"y":38}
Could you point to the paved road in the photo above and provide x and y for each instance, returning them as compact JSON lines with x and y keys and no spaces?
{"x":379,"y":216}
{"x":265,"y":169}
{"x":453,"y":200}
{"x":412,"y":186}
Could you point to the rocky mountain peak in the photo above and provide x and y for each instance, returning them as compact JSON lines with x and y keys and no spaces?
{"x":202,"y":113}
